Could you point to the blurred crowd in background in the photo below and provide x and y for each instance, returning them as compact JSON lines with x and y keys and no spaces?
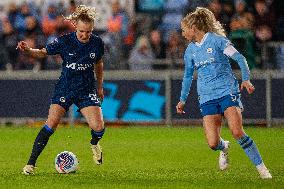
{"x":138,"y":34}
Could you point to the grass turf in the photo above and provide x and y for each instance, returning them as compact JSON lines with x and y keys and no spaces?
{"x":140,"y":157}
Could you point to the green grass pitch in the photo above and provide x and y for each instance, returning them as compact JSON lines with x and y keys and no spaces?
{"x":140,"y":157}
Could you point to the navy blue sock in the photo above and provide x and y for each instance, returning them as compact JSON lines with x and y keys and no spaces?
{"x":39,"y":143}
{"x":96,"y":136}
{"x":250,"y":149}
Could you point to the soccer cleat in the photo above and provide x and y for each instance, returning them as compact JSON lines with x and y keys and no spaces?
{"x":28,"y":170}
{"x":264,"y":172}
{"x":223,"y":158}
{"x":97,"y":154}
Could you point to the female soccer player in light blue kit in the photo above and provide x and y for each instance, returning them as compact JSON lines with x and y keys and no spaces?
{"x":218,"y":89}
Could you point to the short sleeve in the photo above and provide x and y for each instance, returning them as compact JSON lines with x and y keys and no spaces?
{"x":54,"y":47}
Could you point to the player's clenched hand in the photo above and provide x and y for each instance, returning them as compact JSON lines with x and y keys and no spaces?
{"x":22,"y":45}
{"x":248,"y":86}
{"x":180,"y":107}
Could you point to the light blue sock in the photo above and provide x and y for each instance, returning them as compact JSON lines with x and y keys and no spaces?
{"x":220,"y":146}
{"x":250,"y":149}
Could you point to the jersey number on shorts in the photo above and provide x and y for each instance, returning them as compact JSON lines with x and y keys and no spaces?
{"x":94,"y":98}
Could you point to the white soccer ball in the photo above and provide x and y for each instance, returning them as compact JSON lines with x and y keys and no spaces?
{"x":66,"y":162}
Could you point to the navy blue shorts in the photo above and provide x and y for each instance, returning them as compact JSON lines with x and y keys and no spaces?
{"x":81,"y":100}
{"x":218,"y":106}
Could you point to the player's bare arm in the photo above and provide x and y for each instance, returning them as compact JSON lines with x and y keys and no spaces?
{"x":248,"y":86}
{"x":100,"y":77}
{"x":36,"y":53}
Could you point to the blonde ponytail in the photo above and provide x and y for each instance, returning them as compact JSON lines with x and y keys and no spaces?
{"x":83,"y":13}
{"x":204,"y":20}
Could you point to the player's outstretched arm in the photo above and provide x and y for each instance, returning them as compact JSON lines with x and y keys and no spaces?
{"x":100,"y":78}
{"x":37,"y":53}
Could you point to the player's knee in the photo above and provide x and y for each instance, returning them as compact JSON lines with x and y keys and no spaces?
{"x":237,"y":133}
{"x":97,"y":125}
{"x":100,"y":125}
{"x":52,"y":123}
{"x":213,"y":144}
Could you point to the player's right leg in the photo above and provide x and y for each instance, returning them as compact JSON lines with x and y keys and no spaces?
{"x":212,"y":121}
{"x":212,"y":127}
{"x":56,"y":112}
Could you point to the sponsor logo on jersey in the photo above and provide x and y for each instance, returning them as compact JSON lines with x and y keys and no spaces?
{"x":75,"y":66}
{"x":204,"y":63}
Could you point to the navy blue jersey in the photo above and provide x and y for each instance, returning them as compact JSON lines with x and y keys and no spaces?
{"x":77,"y":74}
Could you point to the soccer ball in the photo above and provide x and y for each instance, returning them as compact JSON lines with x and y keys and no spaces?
{"x":66,"y":162}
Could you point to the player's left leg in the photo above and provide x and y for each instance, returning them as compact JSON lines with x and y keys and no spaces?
{"x":234,"y":118}
{"x":94,"y":117}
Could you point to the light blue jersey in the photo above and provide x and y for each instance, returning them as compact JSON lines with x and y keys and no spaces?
{"x":211,"y":60}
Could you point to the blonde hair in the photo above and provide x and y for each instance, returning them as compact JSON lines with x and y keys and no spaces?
{"x":83,"y":13}
{"x":204,"y":20}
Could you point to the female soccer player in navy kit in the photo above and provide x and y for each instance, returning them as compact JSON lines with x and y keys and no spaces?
{"x":218,"y":89}
{"x":81,"y":52}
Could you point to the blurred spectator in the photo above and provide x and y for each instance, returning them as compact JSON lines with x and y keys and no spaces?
{"x":12,"y":13}
{"x":159,"y":49}
{"x":119,"y":26}
{"x":72,"y":7}
{"x":20,"y":23}
{"x":242,"y":15}
{"x":264,"y":21}
{"x":33,"y":28}
{"x":157,"y":44}
{"x":141,"y":56}
{"x":241,"y":33}
{"x":223,"y":12}
{"x":174,"y":11}
{"x":242,"y":37}
{"x":34,"y":37}
{"x":10,"y":40}
{"x":197,"y":3}
{"x":175,"y":48}
{"x":49,"y":23}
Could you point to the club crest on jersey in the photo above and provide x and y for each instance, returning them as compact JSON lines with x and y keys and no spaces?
{"x":209,"y":50}
{"x":92,"y":55}
{"x":62,"y":99}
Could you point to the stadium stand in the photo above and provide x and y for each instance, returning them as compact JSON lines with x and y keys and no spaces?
{"x":249,"y":24}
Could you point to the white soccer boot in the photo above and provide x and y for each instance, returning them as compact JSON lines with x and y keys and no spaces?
{"x":97,"y":154}
{"x":28,"y":170}
{"x":223,"y":158}
{"x":263,"y":171}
